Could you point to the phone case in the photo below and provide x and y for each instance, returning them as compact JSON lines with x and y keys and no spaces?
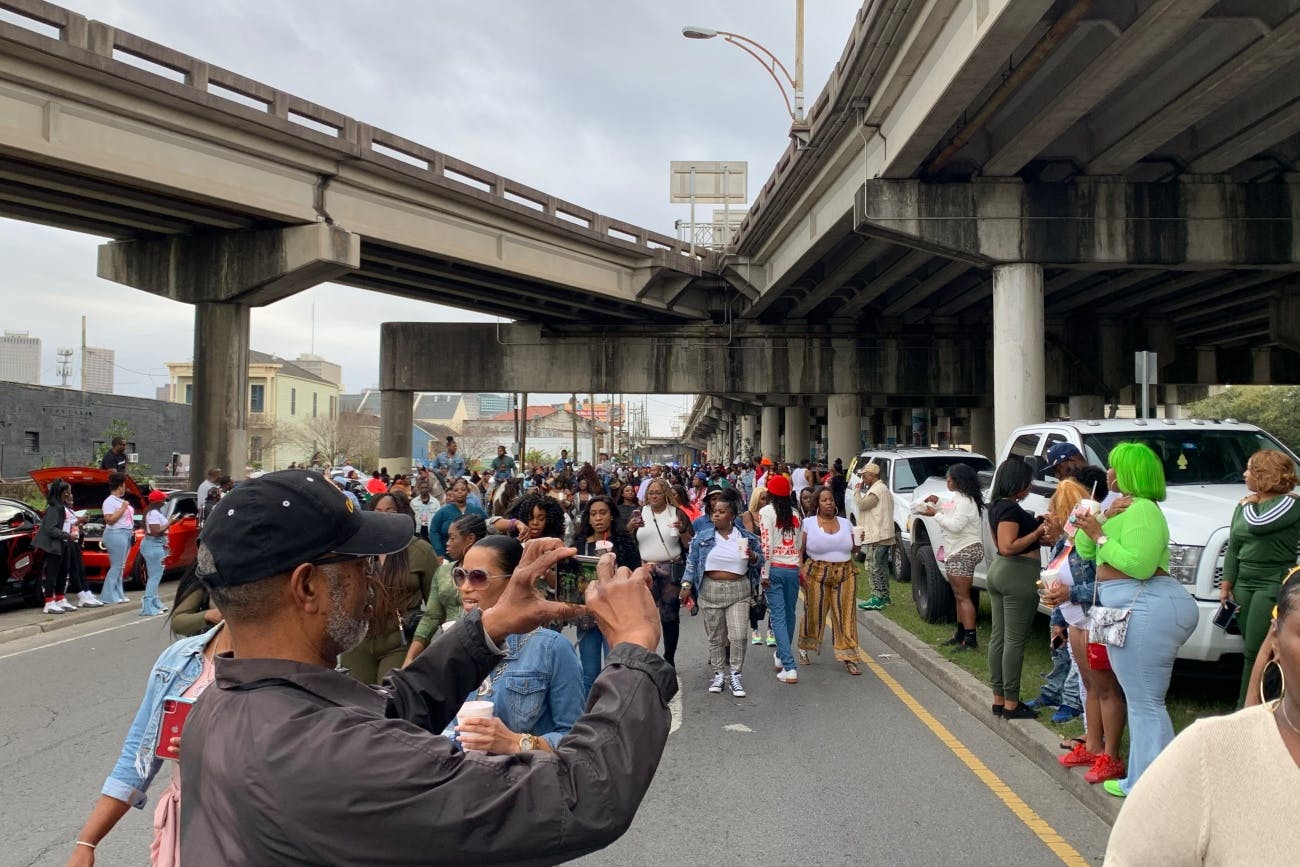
{"x":175,"y":712}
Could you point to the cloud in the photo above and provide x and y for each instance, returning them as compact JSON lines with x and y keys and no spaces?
{"x":585,"y":99}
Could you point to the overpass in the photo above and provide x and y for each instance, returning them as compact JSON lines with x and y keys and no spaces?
{"x":226,"y":193}
{"x":999,"y":201}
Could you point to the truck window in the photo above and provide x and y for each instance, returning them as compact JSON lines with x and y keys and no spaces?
{"x":1024,"y":446}
{"x":1191,"y":456}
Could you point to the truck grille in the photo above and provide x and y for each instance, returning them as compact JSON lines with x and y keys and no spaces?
{"x":1218,"y":566}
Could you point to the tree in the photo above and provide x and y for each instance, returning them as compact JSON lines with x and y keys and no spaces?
{"x":477,"y":449}
{"x":120,"y":428}
{"x":536,"y":458}
{"x":1274,"y":408}
{"x":330,"y":441}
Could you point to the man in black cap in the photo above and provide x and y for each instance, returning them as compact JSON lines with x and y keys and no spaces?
{"x":288,"y":761}
{"x":1064,"y":460}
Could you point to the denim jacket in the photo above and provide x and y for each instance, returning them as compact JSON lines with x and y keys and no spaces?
{"x":540,"y":690}
{"x":703,"y":543}
{"x":1084,"y":573}
{"x":177,"y":667}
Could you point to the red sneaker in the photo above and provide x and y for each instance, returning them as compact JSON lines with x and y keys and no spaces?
{"x":1105,"y":768}
{"x":1078,"y":757}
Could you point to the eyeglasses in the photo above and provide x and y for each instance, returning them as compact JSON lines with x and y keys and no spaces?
{"x":369,"y":565}
{"x":476,"y":578}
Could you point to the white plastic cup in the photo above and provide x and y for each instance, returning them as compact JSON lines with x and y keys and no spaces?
{"x":859,"y":535}
{"x":743,"y":545}
{"x":1048,"y":580}
{"x":604,"y":546}
{"x":1090,"y":505}
{"x":476,"y":710}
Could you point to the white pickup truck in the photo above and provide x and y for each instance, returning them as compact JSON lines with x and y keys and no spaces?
{"x":1203,"y":461}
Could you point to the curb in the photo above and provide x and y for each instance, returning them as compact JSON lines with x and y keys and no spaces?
{"x":1033,"y":740}
{"x":56,"y":622}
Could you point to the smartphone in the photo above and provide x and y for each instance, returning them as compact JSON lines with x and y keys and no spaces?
{"x":572,"y":576}
{"x":175,"y":712}
{"x":1226,"y":614}
{"x":1058,"y":641}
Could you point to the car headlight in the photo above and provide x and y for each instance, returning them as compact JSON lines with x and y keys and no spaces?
{"x":1183,"y":560}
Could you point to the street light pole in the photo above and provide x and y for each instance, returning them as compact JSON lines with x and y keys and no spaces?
{"x":775,"y":68}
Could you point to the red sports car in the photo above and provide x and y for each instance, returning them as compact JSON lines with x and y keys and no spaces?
{"x":90,"y":489}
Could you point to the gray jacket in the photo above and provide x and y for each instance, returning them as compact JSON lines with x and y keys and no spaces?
{"x":287,"y":763}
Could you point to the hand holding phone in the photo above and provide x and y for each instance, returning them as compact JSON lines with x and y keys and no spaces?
{"x":1226,"y":614}
{"x":175,"y":712}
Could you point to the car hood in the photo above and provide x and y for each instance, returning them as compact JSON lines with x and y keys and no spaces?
{"x":89,"y":485}
{"x":1194,"y":512}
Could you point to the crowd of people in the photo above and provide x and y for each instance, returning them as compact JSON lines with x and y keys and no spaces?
{"x":739,"y":544}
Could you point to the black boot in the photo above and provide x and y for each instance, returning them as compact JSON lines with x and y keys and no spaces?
{"x":968,"y":640}
{"x":957,"y":639}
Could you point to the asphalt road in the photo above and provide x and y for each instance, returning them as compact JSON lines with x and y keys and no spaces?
{"x":835,"y":770}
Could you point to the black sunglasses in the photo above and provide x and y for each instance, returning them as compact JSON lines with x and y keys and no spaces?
{"x":369,"y":565}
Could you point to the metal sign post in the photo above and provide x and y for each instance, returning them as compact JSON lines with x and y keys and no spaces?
{"x":706,"y":182}
{"x":1145,"y":373}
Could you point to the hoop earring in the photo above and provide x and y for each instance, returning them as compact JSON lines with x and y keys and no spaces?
{"x":1263,"y":696}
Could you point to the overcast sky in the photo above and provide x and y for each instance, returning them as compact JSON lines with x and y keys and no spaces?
{"x":588,"y":100}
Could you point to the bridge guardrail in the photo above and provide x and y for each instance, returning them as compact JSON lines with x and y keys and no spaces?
{"x":248,"y":97}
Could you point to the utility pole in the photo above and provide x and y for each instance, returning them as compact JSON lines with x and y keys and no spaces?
{"x":573,"y":405}
{"x":591,"y":416}
{"x":523,"y":432}
{"x":65,"y":365}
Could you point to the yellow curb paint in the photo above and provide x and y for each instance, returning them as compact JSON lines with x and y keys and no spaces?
{"x":1022,"y":811}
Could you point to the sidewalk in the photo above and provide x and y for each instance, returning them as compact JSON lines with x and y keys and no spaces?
{"x":1036,"y":742}
{"x":18,"y":623}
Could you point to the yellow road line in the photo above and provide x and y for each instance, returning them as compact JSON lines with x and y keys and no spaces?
{"x":1023,"y":812}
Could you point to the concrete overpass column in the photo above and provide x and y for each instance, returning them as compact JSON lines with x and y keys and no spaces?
{"x":1019,"y":351}
{"x":981,"y":432}
{"x":396,"y":409}
{"x":771,"y":432}
{"x":843,"y":427}
{"x":796,"y":433}
{"x":220,"y":419}
{"x":1173,"y":407}
{"x":1087,"y":406}
{"x":748,"y":433}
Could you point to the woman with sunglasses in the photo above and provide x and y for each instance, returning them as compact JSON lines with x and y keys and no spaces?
{"x":407,"y":581}
{"x":443,"y":605}
{"x":536,"y":691}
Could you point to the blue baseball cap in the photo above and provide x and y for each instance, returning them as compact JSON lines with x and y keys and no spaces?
{"x":1060,"y":453}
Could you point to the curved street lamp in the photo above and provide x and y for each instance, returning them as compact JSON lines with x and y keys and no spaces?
{"x":775,"y":68}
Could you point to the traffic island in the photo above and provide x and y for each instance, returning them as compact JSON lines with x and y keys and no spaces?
{"x":1033,"y":740}
{"x":26,"y":622}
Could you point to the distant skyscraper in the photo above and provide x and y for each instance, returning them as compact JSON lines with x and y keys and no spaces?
{"x":97,"y":367}
{"x":20,"y":358}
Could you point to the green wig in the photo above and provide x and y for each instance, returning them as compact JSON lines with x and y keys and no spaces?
{"x":1138,"y":471}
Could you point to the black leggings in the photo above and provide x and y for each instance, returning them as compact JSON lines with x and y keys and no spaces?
{"x":74,"y":567}
{"x":54,"y":578}
{"x":672,"y":629}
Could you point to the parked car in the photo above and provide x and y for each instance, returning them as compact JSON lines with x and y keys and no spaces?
{"x":1203,"y":463}
{"x":20,"y":559}
{"x":90,"y":489}
{"x":903,"y":469}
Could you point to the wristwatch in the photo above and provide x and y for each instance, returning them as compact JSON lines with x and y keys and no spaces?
{"x":527,"y":742}
{"x":1102,"y":540}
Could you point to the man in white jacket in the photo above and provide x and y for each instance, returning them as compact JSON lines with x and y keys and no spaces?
{"x":875,"y":516}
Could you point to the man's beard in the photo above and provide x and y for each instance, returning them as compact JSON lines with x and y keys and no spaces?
{"x":345,"y":631}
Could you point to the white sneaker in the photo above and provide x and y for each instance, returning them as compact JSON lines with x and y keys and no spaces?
{"x":716,"y":686}
{"x":65,"y":605}
{"x":737,"y":688}
{"x":52,"y":607}
{"x":776,"y":663}
{"x":790,"y":676}
{"x":88,"y":600}
{"x":125,"y":600}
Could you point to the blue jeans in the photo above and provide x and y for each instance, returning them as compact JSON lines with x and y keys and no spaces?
{"x":1062,"y":685}
{"x":1164,"y":616}
{"x":782,"y":603}
{"x":118,"y":542}
{"x":591,"y":649}
{"x":153,"y":549}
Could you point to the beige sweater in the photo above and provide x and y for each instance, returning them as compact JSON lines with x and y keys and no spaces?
{"x":1224,"y":792}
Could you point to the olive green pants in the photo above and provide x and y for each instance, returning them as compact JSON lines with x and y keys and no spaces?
{"x":1013,"y":598}
{"x":1256,"y":596}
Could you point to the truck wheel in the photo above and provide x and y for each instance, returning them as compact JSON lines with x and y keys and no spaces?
{"x":902,"y":563}
{"x":930,"y":591}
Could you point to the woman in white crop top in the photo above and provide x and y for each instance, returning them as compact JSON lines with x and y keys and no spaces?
{"x":832,"y":584}
{"x":119,"y":533}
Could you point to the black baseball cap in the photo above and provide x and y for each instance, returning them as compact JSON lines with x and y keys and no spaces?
{"x":269,"y":525}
